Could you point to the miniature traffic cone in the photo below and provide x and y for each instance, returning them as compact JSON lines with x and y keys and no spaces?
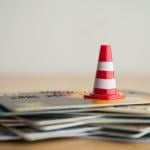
{"x":105,"y":83}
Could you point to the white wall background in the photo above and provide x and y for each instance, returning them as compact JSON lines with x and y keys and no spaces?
{"x":63,"y":36}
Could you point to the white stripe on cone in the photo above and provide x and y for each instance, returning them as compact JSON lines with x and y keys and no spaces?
{"x":105,"y":66}
{"x":105,"y":83}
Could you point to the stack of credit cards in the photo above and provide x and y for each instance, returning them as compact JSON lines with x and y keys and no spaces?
{"x":66,"y":114}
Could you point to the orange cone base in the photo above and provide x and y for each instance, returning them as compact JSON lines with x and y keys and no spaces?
{"x":118,"y":95}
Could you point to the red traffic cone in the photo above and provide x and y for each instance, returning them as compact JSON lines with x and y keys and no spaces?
{"x":105,"y":83}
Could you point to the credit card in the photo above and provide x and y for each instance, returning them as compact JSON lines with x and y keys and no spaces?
{"x":38,"y":103}
{"x":30,"y":134}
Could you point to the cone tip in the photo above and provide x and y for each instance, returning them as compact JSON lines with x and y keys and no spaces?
{"x":105,"y":53}
{"x":105,"y":46}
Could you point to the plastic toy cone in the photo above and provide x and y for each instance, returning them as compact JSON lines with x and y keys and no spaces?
{"x":105,"y":83}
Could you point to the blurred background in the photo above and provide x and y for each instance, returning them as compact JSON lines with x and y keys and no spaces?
{"x":63,"y":36}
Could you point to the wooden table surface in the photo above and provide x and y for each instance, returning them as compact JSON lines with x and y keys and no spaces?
{"x":62,"y":82}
